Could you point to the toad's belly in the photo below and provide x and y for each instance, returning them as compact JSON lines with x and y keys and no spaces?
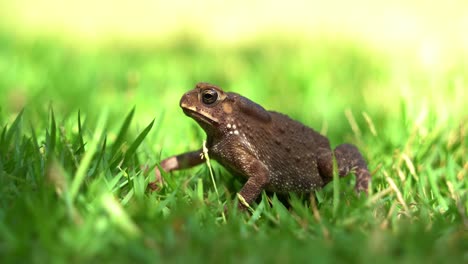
{"x":286,"y":173}
{"x":290,"y":180}
{"x":286,"y":179}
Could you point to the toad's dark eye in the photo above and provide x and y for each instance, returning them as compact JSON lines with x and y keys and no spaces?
{"x":209,"y":96}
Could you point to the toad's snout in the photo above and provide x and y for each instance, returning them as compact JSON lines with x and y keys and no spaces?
{"x":189,"y":99}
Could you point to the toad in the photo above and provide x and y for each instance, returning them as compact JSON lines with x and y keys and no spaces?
{"x":269,"y":150}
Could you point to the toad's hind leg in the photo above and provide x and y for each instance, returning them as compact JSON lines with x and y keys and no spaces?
{"x":348,"y":159}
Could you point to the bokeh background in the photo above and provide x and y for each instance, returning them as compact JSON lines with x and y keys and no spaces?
{"x":310,"y":59}
{"x":413,"y":23}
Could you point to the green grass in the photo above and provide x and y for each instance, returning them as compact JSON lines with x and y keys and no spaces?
{"x":75,"y":163}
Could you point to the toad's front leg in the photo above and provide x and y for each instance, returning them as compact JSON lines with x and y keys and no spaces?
{"x":247,"y":165}
{"x":258,"y":179}
{"x":182,"y":161}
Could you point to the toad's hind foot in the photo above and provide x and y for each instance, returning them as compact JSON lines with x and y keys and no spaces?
{"x":349,"y":159}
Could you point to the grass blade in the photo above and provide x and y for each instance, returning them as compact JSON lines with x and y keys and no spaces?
{"x":133,"y":147}
{"x":86,"y":161}
{"x":138,"y":140}
{"x":100,"y":157}
{"x":122,"y":132}
{"x":3,"y":139}
{"x":119,"y":216}
{"x":336,"y":187}
{"x":13,"y":130}
{"x":51,"y":134}
{"x":81,"y":149}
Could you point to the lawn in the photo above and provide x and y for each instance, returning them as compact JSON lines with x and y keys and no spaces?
{"x":83,"y":128}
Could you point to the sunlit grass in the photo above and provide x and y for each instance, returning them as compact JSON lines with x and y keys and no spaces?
{"x":74,"y":165}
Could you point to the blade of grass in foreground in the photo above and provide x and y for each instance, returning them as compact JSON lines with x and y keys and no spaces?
{"x":100,"y":157}
{"x":119,"y":216}
{"x":336,"y":187}
{"x":8,"y":133}
{"x":122,"y":132}
{"x":86,"y":161}
{"x":81,"y":145}
{"x":51,"y":134}
{"x":133,"y":147}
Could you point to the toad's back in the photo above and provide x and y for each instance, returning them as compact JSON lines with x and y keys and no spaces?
{"x":289,"y":150}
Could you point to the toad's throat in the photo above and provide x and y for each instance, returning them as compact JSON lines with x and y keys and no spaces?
{"x":200,"y":115}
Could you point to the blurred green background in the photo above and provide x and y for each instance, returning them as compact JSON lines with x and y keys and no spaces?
{"x":388,"y":76}
{"x":309,"y":59}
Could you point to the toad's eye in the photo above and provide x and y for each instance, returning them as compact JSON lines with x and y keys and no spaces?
{"x":209,"y":96}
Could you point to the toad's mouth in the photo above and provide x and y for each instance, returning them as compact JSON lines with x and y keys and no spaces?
{"x":203,"y":117}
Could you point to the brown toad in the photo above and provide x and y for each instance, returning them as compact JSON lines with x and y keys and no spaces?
{"x":268,"y":149}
